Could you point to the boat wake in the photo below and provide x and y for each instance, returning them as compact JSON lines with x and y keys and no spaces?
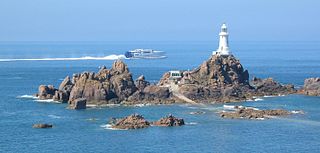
{"x":109,"y":57}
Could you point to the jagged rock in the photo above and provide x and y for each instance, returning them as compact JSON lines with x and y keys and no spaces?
{"x":164,"y":79}
{"x":141,"y":83}
{"x":46,"y":92}
{"x":251,"y":113}
{"x":42,"y":126}
{"x":219,"y":71}
{"x":107,"y":85}
{"x":270,"y":87}
{"x":219,"y":79}
{"x":134,"y":121}
{"x":61,"y":96}
{"x":312,"y":87}
{"x":169,"y":121}
{"x":151,"y":94}
{"x":80,"y":103}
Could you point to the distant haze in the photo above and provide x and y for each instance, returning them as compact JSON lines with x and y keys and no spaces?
{"x":158,"y":20}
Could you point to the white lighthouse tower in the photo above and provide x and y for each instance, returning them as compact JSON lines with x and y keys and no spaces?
{"x":223,"y":42}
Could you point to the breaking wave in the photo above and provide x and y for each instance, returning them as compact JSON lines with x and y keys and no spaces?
{"x":27,"y":97}
{"x":109,"y":57}
{"x":109,"y":127}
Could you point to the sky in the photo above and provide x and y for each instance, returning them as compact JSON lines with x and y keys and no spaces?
{"x":159,"y":20}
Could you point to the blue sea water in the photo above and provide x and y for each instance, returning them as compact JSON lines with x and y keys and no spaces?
{"x":287,"y":62}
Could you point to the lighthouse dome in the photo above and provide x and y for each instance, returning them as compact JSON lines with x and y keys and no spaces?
{"x":224,"y":28}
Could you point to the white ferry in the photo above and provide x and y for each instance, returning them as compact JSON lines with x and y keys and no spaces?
{"x":145,"y":53}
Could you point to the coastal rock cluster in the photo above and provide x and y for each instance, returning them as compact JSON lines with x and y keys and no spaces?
{"x":311,"y":87}
{"x":219,"y":79}
{"x":169,"y":120}
{"x":223,"y":79}
{"x":271,"y":88}
{"x":252,"y":113}
{"x":136,"y":121}
{"x":108,"y":86}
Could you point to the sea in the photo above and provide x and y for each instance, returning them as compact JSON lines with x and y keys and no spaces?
{"x":26,"y":65}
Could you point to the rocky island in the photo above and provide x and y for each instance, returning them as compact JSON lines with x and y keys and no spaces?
{"x":136,"y":121}
{"x":242,"y":112}
{"x":220,"y":79}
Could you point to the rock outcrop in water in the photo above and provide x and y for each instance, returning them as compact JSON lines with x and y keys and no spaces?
{"x":108,"y":86}
{"x":42,"y":126}
{"x":271,"y":88}
{"x":223,"y":79}
{"x":46,"y":92}
{"x":169,"y":120}
{"x":80,"y":103}
{"x":134,"y":121}
{"x":219,"y":79}
{"x":252,"y":113}
{"x":311,"y":87}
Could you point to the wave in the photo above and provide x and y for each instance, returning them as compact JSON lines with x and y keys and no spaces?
{"x":46,"y":101}
{"x":54,"y":116}
{"x":258,"y":99}
{"x":109,"y":57}
{"x":109,"y":127}
{"x":27,"y":97}
{"x":269,"y":96}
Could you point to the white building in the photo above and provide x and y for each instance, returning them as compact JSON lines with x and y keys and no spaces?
{"x":175,"y":75}
{"x":223,"y":42}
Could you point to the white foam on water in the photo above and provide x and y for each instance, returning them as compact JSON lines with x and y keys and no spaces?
{"x":141,"y":105}
{"x":191,"y":123}
{"x":27,"y":97}
{"x":232,"y":107}
{"x":47,"y":101}
{"x":269,"y":96}
{"x":109,"y":127}
{"x":258,"y":99}
{"x":109,"y":57}
{"x":54,"y":116}
{"x":297,"y":112}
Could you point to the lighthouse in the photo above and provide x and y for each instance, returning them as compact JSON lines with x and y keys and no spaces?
{"x":223,"y":42}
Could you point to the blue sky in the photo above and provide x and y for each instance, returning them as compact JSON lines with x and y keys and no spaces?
{"x":158,"y":20}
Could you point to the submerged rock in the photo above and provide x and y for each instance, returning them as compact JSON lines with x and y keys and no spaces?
{"x":169,"y":121}
{"x":134,"y":121}
{"x":311,"y":87}
{"x":42,"y":125}
{"x":197,"y":113}
{"x":251,"y":113}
